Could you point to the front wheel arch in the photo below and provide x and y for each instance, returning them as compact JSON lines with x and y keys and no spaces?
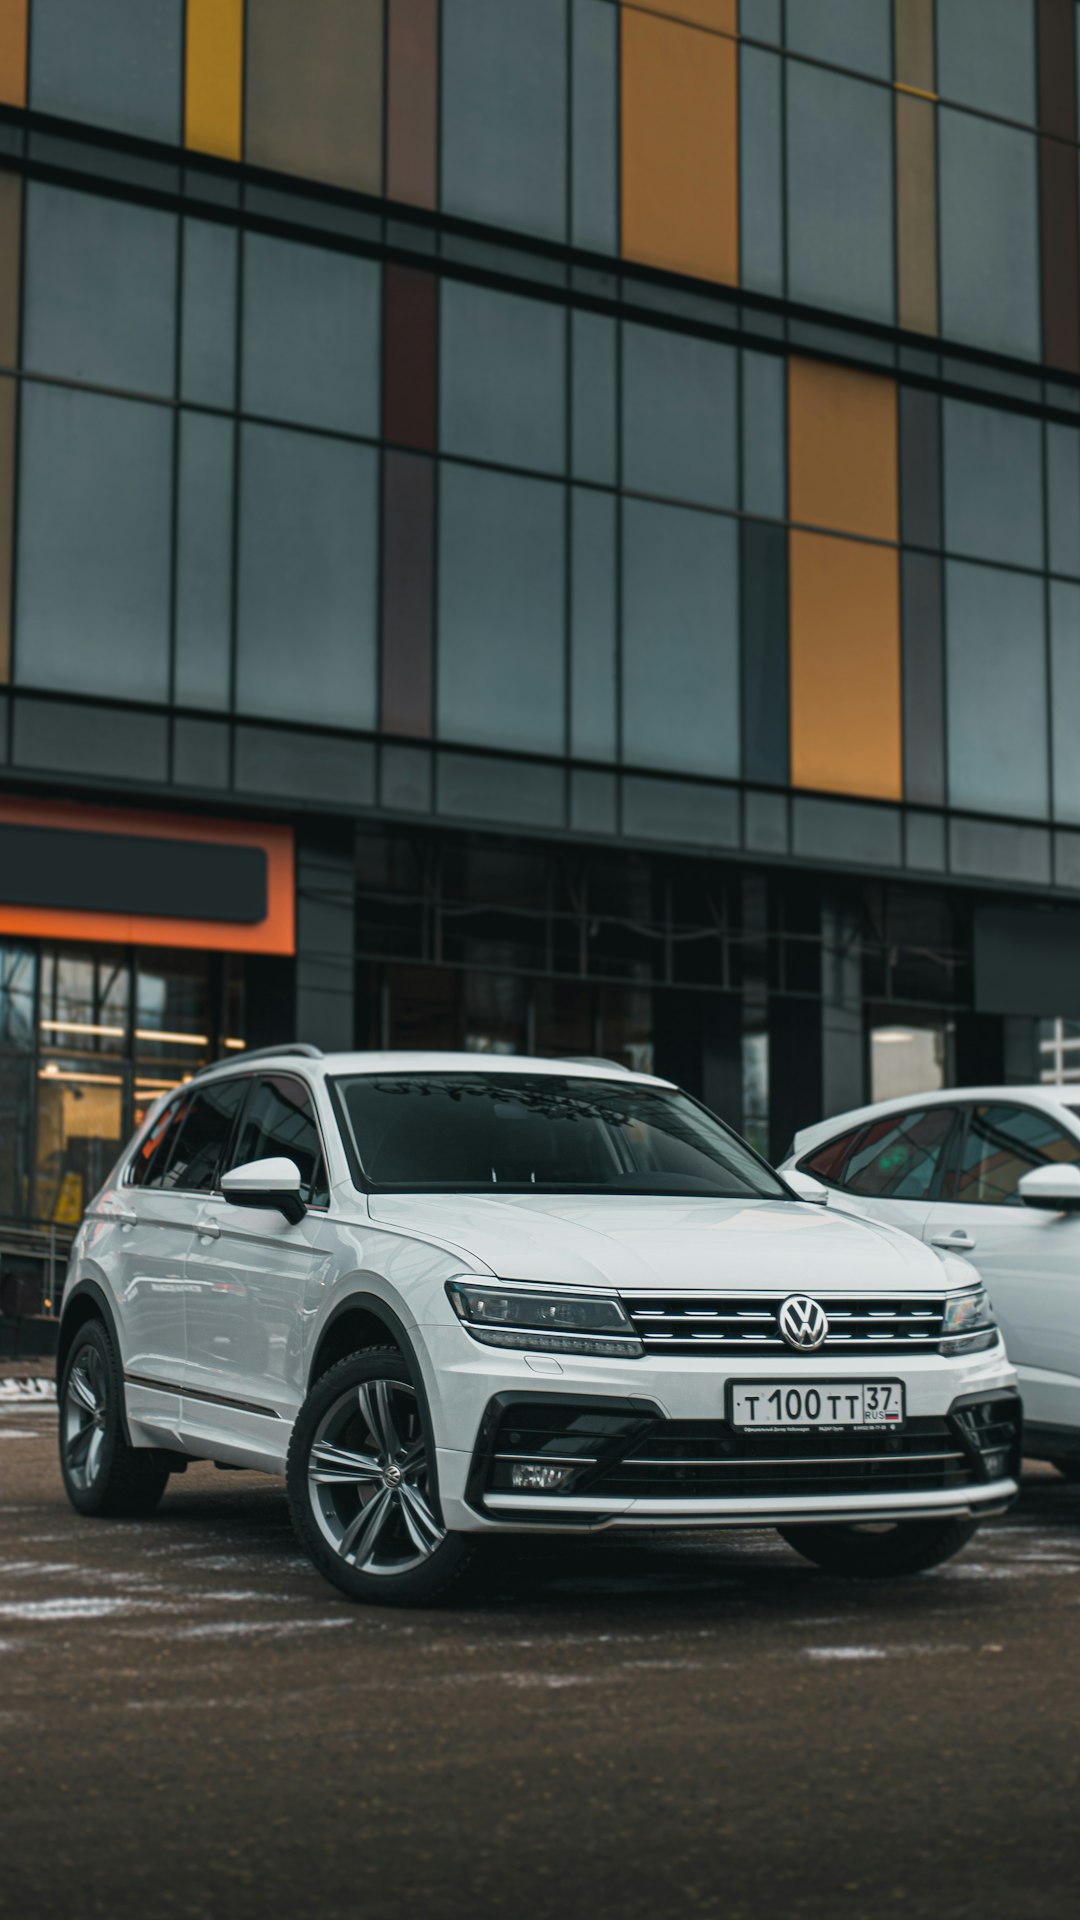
{"x":88,"y":1301}
{"x":363,"y":1323}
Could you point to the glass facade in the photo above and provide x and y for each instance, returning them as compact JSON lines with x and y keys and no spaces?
{"x":647,"y":427}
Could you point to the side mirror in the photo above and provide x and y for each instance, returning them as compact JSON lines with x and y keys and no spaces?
{"x":805,"y":1187}
{"x":273,"y":1185}
{"x":1056,"y":1189}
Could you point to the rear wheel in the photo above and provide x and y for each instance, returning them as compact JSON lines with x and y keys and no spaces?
{"x":884,"y":1552}
{"x":101,"y":1473}
{"x":361,"y":1486}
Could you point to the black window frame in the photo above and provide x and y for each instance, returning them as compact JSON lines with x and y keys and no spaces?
{"x":958,"y":1130}
{"x":967,"y":1109}
{"x":255,"y":1080}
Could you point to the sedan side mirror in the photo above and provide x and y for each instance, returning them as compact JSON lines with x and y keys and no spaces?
{"x":805,"y":1187}
{"x":273,"y":1185}
{"x":1056,"y":1189}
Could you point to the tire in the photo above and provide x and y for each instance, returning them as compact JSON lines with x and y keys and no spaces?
{"x":362,"y":1490}
{"x":102,"y":1475}
{"x":869,"y":1553}
{"x":1068,"y":1469}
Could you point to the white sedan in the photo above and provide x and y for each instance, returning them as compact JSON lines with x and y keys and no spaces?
{"x":992,"y":1174}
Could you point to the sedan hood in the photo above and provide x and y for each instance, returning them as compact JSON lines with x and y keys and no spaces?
{"x":615,"y":1240}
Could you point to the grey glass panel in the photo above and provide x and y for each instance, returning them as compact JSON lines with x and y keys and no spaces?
{"x":311,"y":335}
{"x":200,"y":753}
{"x":765,"y":652}
{"x":761,"y":20}
{"x":204,"y":561}
{"x":843,"y":830}
{"x":473,"y":788}
{"x":924,"y":680}
{"x":504,"y":113}
{"x":100,"y":290}
{"x":680,"y":662}
{"x":208,"y":317}
{"x":114,"y":63}
{"x":986,"y":55}
{"x":592,"y":625}
{"x":764,"y":488}
{"x":989,"y":246}
{"x":679,"y":416}
{"x":920,"y":467}
{"x":761,"y":179}
{"x":592,"y":422}
{"x":679,"y":811}
{"x":846,"y":33}
{"x":1065,"y":697}
{"x":840,"y":201}
{"x":501,"y":641}
{"x":94,"y":542}
{"x":120,"y":745}
{"x":1063,"y":497}
{"x":993,"y":484}
{"x":594,"y":131}
{"x":502,"y":377}
{"x":997,"y":719}
{"x":305,"y":766}
{"x":306,"y":634}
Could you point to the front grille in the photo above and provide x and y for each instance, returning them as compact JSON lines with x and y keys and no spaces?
{"x":626,"y":1449}
{"x":703,"y":1323}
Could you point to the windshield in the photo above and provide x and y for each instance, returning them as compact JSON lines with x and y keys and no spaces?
{"x":542,"y":1133}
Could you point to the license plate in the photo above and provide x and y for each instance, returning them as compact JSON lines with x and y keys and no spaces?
{"x":827,"y":1403}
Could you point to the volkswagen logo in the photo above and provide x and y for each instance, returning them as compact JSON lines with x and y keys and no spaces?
{"x":803,"y":1322}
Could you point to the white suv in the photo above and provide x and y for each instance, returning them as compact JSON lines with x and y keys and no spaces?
{"x":451,"y":1295}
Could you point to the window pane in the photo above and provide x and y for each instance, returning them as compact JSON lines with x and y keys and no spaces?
{"x":993,"y":484}
{"x":115,"y":63}
{"x":502,"y":386}
{"x":592,"y":423}
{"x":100,"y":290}
{"x":306,"y":632}
{"x":195,"y":1163}
{"x":829,"y":1162}
{"x":595,"y":27}
{"x":1063,"y":497}
{"x":761,"y":182}
{"x":989,"y":234}
{"x":986,"y":55}
{"x":679,"y":416}
{"x":764,"y":487}
{"x":314,"y":90}
{"x":501,"y":670}
{"x":1065,"y":697}
{"x":311,"y":332}
{"x":680,"y":678}
{"x":204,"y":530}
{"x":840,"y":212}
{"x":844,"y":33}
{"x":1002,"y":1144}
{"x":152,"y":1158}
{"x":208,"y":323}
{"x":94,"y":544}
{"x":593,"y":616}
{"x":997,"y":719}
{"x":504,"y":113}
{"x":897,"y":1158}
{"x":280,"y":1125}
{"x":680,"y":145}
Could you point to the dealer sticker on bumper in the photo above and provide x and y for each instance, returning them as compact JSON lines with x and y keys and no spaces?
{"x":828,"y":1403}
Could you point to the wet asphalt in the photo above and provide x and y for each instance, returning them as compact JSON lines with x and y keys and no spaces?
{"x":193,"y":1723}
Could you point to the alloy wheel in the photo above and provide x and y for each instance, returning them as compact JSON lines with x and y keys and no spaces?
{"x":369,"y":1480}
{"x":85,"y":1414}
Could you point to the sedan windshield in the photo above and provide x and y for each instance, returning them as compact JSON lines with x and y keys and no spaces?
{"x":541,"y":1133}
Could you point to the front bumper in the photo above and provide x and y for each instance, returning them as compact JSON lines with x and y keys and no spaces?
{"x":665,"y":1456}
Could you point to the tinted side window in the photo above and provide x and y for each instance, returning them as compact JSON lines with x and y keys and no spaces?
{"x":1002,"y":1144}
{"x":203,"y":1136}
{"x":830,"y":1161}
{"x":898,"y":1157}
{"x":280,"y":1124}
{"x":152,"y":1157}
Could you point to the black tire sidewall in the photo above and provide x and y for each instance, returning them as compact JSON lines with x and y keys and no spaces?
{"x":912,"y":1546}
{"x":93,"y":1499}
{"x":422,"y":1585}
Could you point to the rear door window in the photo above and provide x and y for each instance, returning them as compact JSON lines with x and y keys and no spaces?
{"x":152,"y":1156}
{"x":1002,"y":1143}
{"x":900,"y":1156}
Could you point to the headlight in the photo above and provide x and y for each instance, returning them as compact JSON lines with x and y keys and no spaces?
{"x":967,"y":1324}
{"x":545,"y":1321}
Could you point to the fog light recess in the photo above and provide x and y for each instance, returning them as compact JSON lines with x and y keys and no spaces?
{"x":530,"y":1476}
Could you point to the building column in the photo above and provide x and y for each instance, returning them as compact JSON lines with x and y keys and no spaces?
{"x":325,"y":937}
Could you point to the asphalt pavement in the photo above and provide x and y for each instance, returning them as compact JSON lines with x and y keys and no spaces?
{"x":192,"y":1723}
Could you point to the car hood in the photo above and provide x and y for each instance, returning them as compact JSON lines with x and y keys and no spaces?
{"x":651,"y":1241}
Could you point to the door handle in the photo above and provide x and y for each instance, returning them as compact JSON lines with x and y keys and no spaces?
{"x":954,"y":1242}
{"x":126,"y":1216}
{"x":208,"y":1230}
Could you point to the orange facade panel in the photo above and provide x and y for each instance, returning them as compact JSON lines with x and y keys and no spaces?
{"x":720,"y":15}
{"x":58,"y":828}
{"x":842,"y":449}
{"x":13,"y":16}
{"x":213,"y":77}
{"x":846,"y":728}
{"x":680,"y":141}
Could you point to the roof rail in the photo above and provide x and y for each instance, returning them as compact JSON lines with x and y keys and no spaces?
{"x":594,"y":1060}
{"x":302,"y":1047}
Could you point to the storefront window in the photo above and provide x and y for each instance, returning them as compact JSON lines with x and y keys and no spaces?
{"x":907,"y":1059}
